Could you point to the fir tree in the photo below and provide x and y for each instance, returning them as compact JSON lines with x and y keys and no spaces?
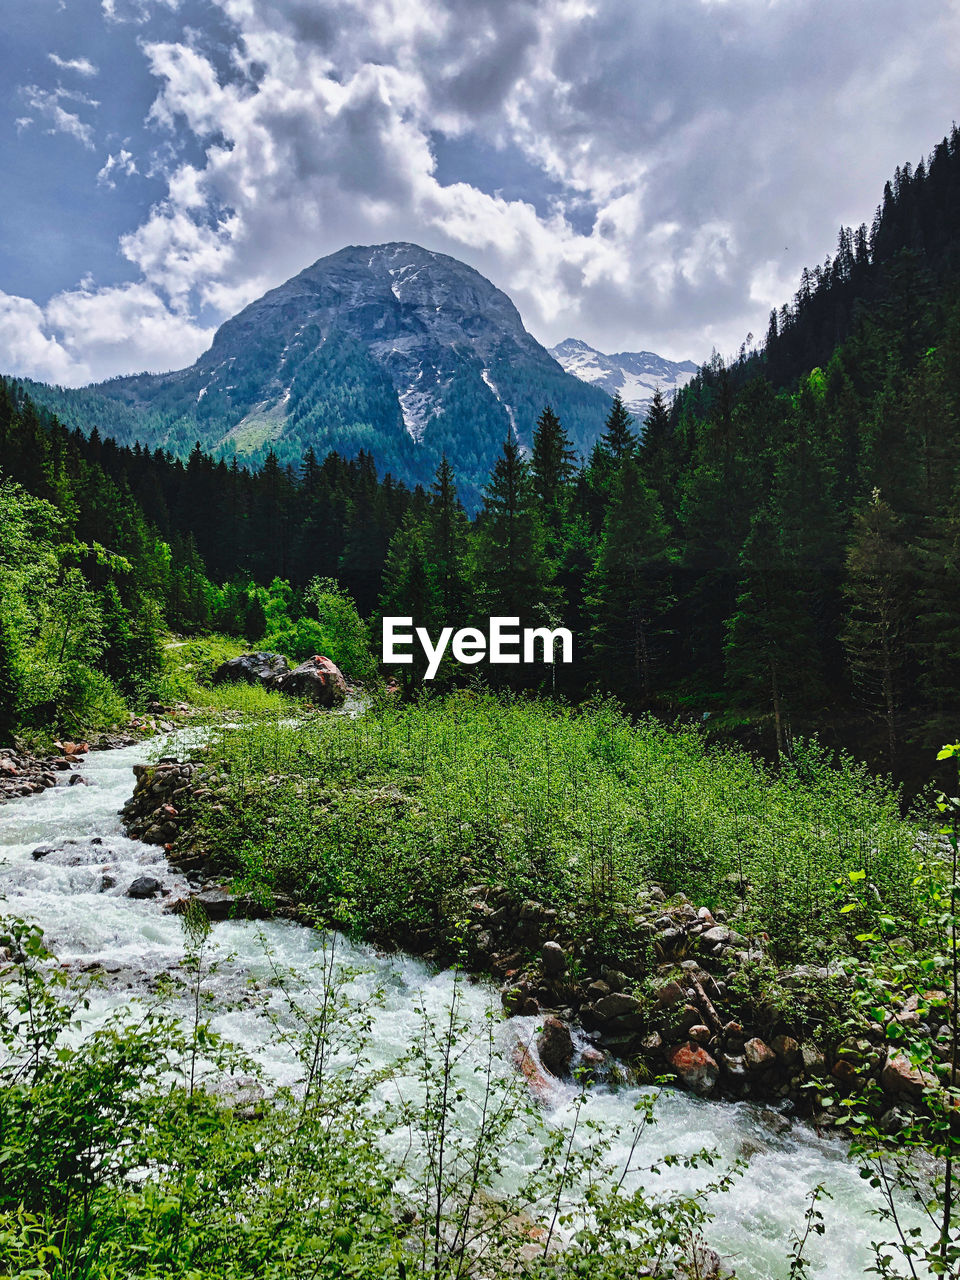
{"x":629,"y":588}
{"x":511,"y":570}
{"x":879,"y":591}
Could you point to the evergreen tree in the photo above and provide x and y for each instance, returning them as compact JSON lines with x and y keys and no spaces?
{"x":879,"y":590}
{"x":509,"y":550}
{"x":552,"y":467}
{"x":629,"y":588}
{"x":770,"y":650}
{"x":446,"y":544}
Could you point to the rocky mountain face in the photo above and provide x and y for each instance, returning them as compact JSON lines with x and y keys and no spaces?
{"x":389,"y":348}
{"x":635,"y":375}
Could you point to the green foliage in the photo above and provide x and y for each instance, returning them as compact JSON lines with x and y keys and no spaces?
{"x":376,"y":820}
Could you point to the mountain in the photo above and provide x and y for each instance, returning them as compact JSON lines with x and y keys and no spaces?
{"x":635,"y":375}
{"x":389,"y":348}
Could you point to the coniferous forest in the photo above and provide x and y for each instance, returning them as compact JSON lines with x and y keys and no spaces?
{"x":774,"y":554}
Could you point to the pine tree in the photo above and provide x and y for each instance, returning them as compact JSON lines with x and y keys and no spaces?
{"x":447,"y":541}
{"x":770,"y":651}
{"x":409,"y":590}
{"x":656,"y":448}
{"x":629,"y":588}
{"x":879,"y":590}
{"x":552,"y":466}
{"x":511,"y":569}
{"x":618,"y":440}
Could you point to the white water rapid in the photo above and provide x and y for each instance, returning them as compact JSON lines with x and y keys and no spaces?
{"x":77,"y":894}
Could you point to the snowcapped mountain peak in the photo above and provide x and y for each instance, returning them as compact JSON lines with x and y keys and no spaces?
{"x":634,"y":375}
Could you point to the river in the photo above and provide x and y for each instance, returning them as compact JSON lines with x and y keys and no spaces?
{"x":78,"y":895}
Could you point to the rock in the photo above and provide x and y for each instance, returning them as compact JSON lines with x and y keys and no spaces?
{"x":318,"y":679}
{"x":719,"y":935}
{"x":555,"y":1046}
{"x":616,"y":1005}
{"x":652,"y":1043}
{"x":787,"y":1050}
{"x":695,"y":1069}
{"x":699,"y":1034}
{"x":252,"y":668}
{"x":597,"y":989}
{"x":813,"y":1060}
{"x":42,"y":851}
{"x":734,"y":1065}
{"x":553,"y":959}
{"x":670,"y":994}
{"x":144,"y":887}
{"x":900,"y":1076}
{"x":758,"y":1055}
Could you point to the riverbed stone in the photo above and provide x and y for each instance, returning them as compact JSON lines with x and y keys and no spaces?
{"x":616,"y":1005}
{"x":553,"y":960}
{"x":900,"y":1077}
{"x":694,"y":1067}
{"x":144,"y":887}
{"x":758,"y":1054}
{"x":555,"y":1046}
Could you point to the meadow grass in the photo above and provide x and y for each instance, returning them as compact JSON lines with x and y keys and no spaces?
{"x":380,"y":820}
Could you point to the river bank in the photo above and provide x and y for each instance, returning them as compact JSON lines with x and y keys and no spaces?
{"x":79,"y":894}
{"x":678,"y":991}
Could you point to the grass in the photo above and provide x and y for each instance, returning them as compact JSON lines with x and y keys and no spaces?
{"x":188,"y":667}
{"x":381,"y":820}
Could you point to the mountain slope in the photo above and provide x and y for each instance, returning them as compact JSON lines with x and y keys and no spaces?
{"x":634,"y":375}
{"x":389,"y":348}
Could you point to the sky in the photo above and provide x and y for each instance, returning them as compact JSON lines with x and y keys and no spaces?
{"x":641,"y":174}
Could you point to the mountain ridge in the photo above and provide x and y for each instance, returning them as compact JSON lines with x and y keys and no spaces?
{"x":633,"y":375}
{"x":399,"y":350}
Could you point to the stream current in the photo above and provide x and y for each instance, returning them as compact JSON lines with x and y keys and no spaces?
{"x":77,"y":894}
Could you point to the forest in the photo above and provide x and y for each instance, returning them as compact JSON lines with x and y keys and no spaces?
{"x":774,"y":555}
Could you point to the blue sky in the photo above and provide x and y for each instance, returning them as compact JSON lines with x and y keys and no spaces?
{"x":639,"y":173}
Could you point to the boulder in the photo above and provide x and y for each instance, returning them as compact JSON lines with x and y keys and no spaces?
{"x":758,"y":1055}
{"x":555,"y":1046}
{"x":616,"y":1005}
{"x":787,"y":1050}
{"x":554,"y":961}
{"x":695,"y":1069}
{"x":252,"y":668}
{"x":318,"y":679}
{"x":144,"y":887}
{"x":900,"y":1076}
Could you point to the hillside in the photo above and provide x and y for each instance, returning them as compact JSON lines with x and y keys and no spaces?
{"x":404,"y":353}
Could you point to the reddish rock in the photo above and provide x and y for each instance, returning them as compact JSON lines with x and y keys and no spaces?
{"x":318,"y":679}
{"x":695,"y":1069}
{"x":787,"y":1050}
{"x":758,"y":1055}
{"x":900,"y":1076}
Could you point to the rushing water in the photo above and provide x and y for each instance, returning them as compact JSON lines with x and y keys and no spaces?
{"x":78,"y":895}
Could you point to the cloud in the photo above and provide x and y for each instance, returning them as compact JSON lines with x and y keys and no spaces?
{"x":82,"y":66}
{"x":45,"y":103}
{"x":88,"y":333}
{"x":715,"y":146}
{"x":122,"y":164}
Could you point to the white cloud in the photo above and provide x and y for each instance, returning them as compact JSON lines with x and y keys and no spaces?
{"x":82,"y":66}
{"x":120,"y":165}
{"x":45,"y":103}
{"x":720,"y":146}
{"x":88,"y":333}
{"x":30,"y":350}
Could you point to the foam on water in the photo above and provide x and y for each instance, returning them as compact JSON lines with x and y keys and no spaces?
{"x":78,"y":895}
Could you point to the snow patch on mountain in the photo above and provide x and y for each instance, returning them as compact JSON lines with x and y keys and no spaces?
{"x":633,"y":375}
{"x":485,"y":375}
